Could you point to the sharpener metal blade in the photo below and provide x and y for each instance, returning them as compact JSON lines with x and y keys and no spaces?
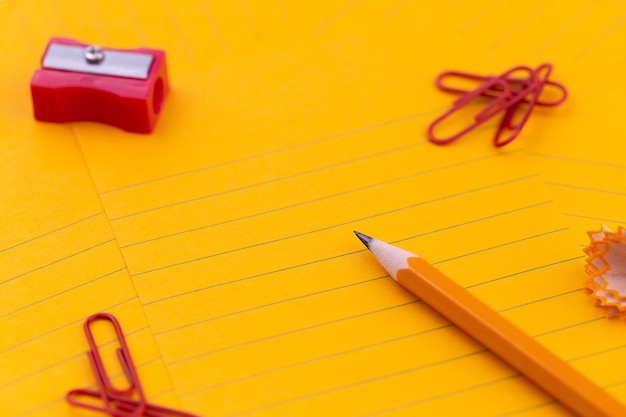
{"x":115,"y":63}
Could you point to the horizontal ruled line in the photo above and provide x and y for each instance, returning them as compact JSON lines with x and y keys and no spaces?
{"x":362,"y":382}
{"x":68,"y":290}
{"x":318,"y":359}
{"x":578,"y":160}
{"x":581,"y":188}
{"x":530,"y":408}
{"x":275,"y":151}
{"x":287,"y":300}
{"x":540,"y":300}
{"x":58,"y":229}
{"x":395,"y":210}
{"x":590,"y":355}
{"x":65,"y":258}
{"x":40,"y":407}
{"x":327,"y":290}
{"x":441,"y":396}
{"x":61,"y":397}
{"x":434,"y":231}
{"x":526,"y":271}
{"x":271,"y":181}
{"x":504,"y":213}
{"x":599,"y":219}
{"x":382,"y":377}
{"x":290,"y":332}
{"x":72,"y":323}
{"x":221,"y":284}
{"x":614,"y":384}
{"x":68,"y":359}
{"x":571,"y":326}
{"x":513,"y":242}
{"x":317,"y":293}
{"x":303,"y":203}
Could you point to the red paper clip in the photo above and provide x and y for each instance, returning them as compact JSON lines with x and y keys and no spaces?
{"x":507,"y":120}
{"x":129,"y":401}
{"x":508,"y":93}
{"x":514,"y":82}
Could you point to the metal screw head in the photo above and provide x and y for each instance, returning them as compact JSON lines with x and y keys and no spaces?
{"x":94,"y":54}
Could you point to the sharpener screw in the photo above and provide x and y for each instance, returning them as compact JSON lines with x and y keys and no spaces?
{"x":94,"y":54}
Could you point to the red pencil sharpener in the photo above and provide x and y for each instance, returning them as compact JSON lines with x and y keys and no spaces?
{"x":119,"y":87}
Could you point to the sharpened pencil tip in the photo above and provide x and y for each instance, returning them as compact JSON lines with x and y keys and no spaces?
{"x":364,"y":238}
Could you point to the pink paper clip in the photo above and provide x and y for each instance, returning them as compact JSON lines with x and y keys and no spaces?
{"x":515,"y":83}
{"x":129,"y":404}
{"x":499,"y":103}
{"x":508,"y":93}
{"x":129,"y":401}
{"x":509,"y":114}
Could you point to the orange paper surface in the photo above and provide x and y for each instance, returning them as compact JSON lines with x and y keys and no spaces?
{"x":223,"y":241}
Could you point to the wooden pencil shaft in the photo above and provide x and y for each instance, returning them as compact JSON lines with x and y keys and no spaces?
{"x":504,"y":339}
{"x":499,"y":335}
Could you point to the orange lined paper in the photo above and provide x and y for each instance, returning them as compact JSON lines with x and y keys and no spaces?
{"x":228,"y":241}
{"x":60,"y":262}
{"x":59,"y":259}
{"x":230,"y":226}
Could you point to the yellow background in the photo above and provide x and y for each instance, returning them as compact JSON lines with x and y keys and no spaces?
{"x":223,"y":240}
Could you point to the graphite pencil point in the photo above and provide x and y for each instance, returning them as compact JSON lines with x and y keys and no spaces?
{"x":363,"y":238}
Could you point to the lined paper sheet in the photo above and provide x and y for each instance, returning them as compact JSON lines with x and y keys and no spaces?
{"x":587,"y":172}
{"x":238,"y":237}
{"x":224,"y":242}
{"x":579,"y":157}
{"x":578,"y":152}
{"x":59,"y":260}
{"x":581,"y":161}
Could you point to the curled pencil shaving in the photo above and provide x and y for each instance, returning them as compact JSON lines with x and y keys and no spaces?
{"x":606,"y":270}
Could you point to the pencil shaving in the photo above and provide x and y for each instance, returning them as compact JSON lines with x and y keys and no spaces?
{"x":606,"y":270}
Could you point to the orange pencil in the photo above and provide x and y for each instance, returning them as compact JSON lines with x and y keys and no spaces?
{"x":504,"y":339}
